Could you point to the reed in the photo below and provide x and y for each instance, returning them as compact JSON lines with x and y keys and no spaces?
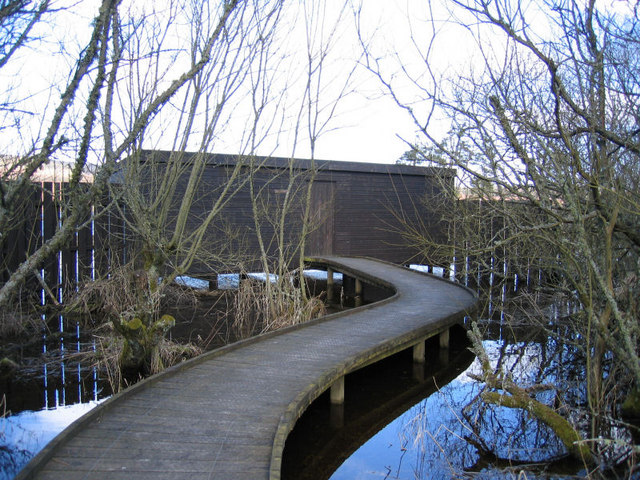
{"x":257,"y":309}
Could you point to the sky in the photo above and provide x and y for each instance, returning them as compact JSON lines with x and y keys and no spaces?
{"x":373,"y":127}
{"x":375,"y":131}
{"x":400,"y":32}
{"x":366,"y":125}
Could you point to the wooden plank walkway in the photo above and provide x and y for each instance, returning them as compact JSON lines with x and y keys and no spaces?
{"x":227,"y":414}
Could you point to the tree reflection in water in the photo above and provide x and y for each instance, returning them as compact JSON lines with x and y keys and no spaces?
{"x":453,"y":434}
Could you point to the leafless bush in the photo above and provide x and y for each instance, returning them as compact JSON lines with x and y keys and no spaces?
{"x":114,"y":304}
{"x":109,"y":346}
{"x":257,"y":309}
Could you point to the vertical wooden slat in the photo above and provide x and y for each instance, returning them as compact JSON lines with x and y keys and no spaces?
{"x":101,"y":228}
{"x":85,"y":249}
{"x":50,"y":225}
{"x":36,"y":220}
{"x":69,"y":251}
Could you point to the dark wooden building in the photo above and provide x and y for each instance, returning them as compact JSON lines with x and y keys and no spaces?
{"x":363,"y":209}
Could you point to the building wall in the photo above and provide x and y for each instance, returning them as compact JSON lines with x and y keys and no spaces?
{"x":358,"y":208}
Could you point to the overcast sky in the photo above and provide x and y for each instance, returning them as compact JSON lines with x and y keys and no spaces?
{"x":367,"y":125}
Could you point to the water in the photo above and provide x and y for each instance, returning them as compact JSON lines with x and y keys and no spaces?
{"x":374,"y":397}
{"x":33,"y":411}
{"x":449,"y":434}
{"x":52,"y":388}
{"x":397,"y":422}
{"x":446,"y":431}
{"x":24,"y":434}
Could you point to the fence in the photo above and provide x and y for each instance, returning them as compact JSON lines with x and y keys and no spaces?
{"x":490,"y":250}
{"x":101,"y":240}
{"x":98,"y":240}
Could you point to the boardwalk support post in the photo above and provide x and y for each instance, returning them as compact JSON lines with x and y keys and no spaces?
{"x":358,"y":299}
{"x":336,"y":415}
{"x":418,"y":360}
{"x":444,"y":339}
{"x":336,"y":412}
{"x":329,"y":285}
{"x":418,"y":352}
{"x":337,"y":392}
{"x":443,"y":354}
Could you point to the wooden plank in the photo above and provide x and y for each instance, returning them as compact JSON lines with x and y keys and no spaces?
{"x":50,"y":219}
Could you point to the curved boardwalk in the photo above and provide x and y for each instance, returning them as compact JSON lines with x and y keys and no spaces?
{"x":227,"y":414}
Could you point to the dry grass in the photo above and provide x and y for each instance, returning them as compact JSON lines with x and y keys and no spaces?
{"x":117,"y":296}
{"x":18,"y":321}
{"x":259,"y":308}
{"x":254,"y":308}
{"x":15,"y":324}
{"x":171,"y":353}
{"x":109,"y":349}
{"x":106,"y":360}
{"x":118,"y":299}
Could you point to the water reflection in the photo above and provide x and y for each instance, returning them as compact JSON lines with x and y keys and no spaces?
{"x":374,"y":397}
{"x":448,"y":432}
{"x":26,"y":433}
{"x":50,"y":390}
{"x":451,"y":434}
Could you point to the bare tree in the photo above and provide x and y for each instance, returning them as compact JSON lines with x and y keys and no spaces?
{"x":98,"y":72}
{"x":247,"y":90}
{"x":169,"y":202}
{"x":288,"y":217}
{"x":550,"y":113}
{"x":141,"y":78}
